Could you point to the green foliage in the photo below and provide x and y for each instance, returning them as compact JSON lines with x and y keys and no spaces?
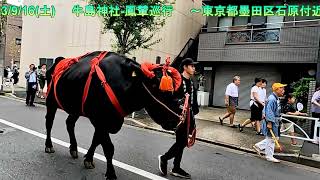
{"x":301,"y":90}
{"x":301,"y":87}
{"x":132,"y":32}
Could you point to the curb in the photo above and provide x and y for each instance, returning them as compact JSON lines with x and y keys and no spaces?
{"x":295,"y":158}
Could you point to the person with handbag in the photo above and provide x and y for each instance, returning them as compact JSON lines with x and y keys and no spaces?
{"x":256,"y":106}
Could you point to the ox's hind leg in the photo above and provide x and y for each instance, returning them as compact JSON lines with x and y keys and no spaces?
{"x":71,"y":121}
{"x":108,"y":150}
{"x":88,"y":161}
{"x":51,"y":112}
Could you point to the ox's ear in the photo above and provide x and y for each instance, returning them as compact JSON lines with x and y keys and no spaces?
{"x":133,"y":68}
{"x":144,"y":70}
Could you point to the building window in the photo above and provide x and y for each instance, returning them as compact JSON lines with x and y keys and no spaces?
{"x":258,"y":20}
{"x":225,"y":22}
{"x":240,"y":20}
{"x":18,"y":41}
{"x":256,"y":32}
{"x":47,"y":61}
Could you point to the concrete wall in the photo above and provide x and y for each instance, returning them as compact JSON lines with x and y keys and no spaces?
{"x":68,"y":35}
{"x":297,"y":45}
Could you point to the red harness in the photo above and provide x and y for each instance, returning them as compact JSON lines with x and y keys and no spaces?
{"x":65,"y":64}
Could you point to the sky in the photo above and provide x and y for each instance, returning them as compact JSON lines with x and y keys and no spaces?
{"x":15,"y":2}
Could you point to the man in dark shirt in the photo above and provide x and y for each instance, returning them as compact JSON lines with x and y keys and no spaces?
{"x":177,"y":148}
{"x":290,"y":109}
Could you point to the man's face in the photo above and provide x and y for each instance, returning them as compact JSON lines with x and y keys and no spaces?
{"x":292,"y":100}
{"x":237,"y":82}
{"x":280,"y":92}
{"x":190,"y":69}
{"x":259,"y":84}
{"x":264,"y":85}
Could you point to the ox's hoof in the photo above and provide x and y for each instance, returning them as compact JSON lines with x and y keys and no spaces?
{"x":89,"y":165}
{"x":111,"y":177}
{"x":74,"y":154}
{"x":111,"y":174}
{"x":49,"y":150}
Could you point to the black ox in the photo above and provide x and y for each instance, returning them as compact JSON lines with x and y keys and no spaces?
{"x":133,"y":89}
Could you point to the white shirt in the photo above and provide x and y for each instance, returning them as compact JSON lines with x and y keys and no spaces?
{"x":33,"y":77}
{"x":262,"y":95}
{"x":257,"y":90}
{"x":232,"y":90}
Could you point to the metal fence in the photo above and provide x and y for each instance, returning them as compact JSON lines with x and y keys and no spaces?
{"x":284,"y":119}
{"x":258,"y":33}
{"x":266,"y":35}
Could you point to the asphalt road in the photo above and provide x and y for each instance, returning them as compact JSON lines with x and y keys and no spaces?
{"x":22,"y":154}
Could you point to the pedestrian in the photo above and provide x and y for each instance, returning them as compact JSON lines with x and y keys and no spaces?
{"x":271,"y":112}
{"x":315,"y":109}
{"x":256,"y":106}
{"x":263,"y":95}
{"x":231,"y":100}
{"x":263,"y":92}
{"x":177,"y":148}
{"x":15,"y":74}
{"x":290,"y":109}
{"x":42,"y":80}
{"x":32,"y":85}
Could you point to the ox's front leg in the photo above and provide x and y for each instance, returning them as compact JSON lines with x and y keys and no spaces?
{"x":51,"y":112}
{"x":108,"y":150}
{"x":71,"y":121}
{"x":88,"y":161}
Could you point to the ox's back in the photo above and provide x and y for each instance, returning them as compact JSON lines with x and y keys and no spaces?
{"x":118,"y":75}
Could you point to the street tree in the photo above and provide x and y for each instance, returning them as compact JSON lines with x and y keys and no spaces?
{"x":136,"y":28}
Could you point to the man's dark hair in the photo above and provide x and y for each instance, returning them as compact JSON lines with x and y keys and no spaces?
{"x":256,"y":80}
{"x":235,"y":78}
{"x":289,"y":96}
{"x":264,"y":81}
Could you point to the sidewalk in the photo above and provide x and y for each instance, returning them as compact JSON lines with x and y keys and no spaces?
{"x":209,"y":130}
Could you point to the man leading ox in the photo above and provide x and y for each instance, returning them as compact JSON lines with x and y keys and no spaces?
{"x":177,"y":148}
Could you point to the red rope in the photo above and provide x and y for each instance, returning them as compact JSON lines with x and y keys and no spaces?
{"x":65,"y":64}
{"x":186,"y":112}
{"x":93,"y":63}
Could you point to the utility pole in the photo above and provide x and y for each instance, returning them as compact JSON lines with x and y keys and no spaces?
{"x":3,"y":24}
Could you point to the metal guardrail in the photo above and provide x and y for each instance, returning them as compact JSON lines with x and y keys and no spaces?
{"x":306,"y":138}
{"x":269,"y":35}
{"x":276,"y":24}
{"x":256,"y":33}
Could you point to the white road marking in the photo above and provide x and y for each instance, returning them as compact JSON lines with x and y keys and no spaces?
{"x":137,"y":122}
{"x":84,"y":151}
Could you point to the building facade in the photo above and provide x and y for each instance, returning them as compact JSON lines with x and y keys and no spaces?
{"x":13,"y":40}
{"x":67,"y":35}
{"x":279,"y":49}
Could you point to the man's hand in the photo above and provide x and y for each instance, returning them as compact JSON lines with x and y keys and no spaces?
{"x":303,"y":114}
{"x":269,"y":125}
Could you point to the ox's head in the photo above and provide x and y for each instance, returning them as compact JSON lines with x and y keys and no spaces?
{"x":161,"y":85}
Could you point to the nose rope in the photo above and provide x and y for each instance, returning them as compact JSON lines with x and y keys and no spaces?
{"x":162,"y":104}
